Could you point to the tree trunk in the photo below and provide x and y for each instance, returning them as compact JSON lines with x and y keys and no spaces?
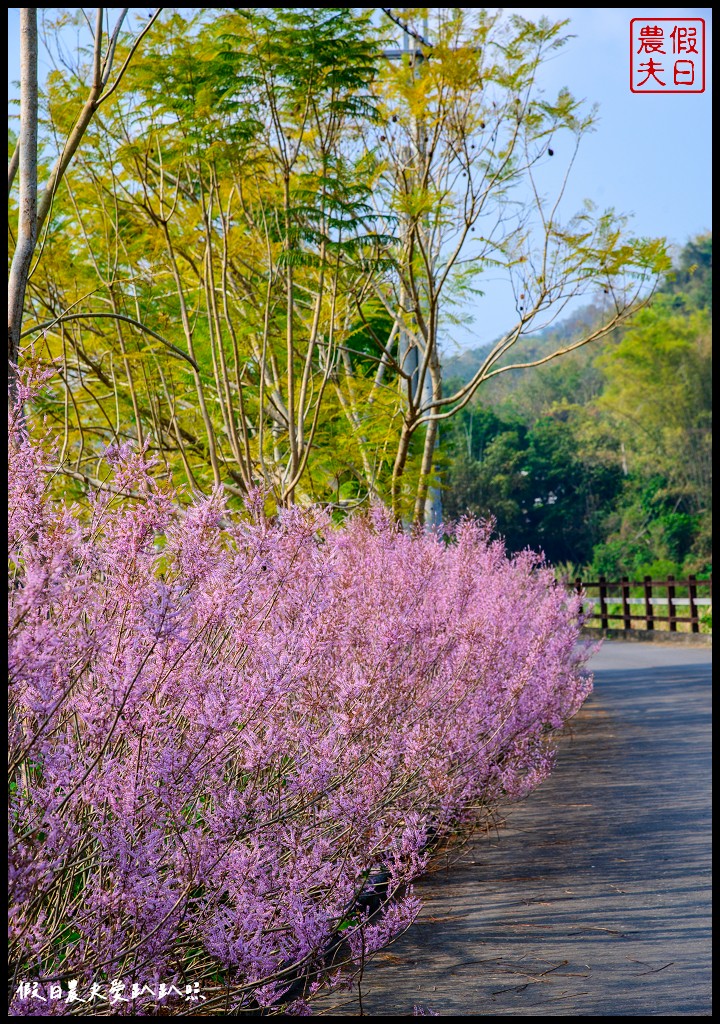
{"x":399,"y":468}
{"x":428,"y":501}
{"x":27,"y":201}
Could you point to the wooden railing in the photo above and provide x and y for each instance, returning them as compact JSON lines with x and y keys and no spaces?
{"x":636,"y":604}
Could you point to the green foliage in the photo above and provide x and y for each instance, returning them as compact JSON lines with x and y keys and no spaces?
{"x":222,"y":210}
{"x":368,"y":338}
{"x":690,"y":283}
{"x":542,"y":490}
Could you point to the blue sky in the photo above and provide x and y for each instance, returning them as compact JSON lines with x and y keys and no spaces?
{"x":650,"y":154}
{"x":649,"y":157}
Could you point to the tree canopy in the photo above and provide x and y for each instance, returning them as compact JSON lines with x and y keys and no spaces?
{"x":264,"y":231}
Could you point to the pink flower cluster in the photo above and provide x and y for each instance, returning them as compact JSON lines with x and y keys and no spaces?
{"x":233,"y":739}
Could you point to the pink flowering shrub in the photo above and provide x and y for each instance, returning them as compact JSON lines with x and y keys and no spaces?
{"x":231,"y":738}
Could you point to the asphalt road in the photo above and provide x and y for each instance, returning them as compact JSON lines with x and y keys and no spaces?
{"x":594,"y":899}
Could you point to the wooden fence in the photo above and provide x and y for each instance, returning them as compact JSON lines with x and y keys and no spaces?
{"x":636,"y":604}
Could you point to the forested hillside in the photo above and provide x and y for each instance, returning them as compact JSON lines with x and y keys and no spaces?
{"x":601,"y":458}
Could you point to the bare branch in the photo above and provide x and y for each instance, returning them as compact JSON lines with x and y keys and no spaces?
{"x":114,"y":316}
{"x":27,"y":200}
{"x":13,"y":166}
{"x":95,"y":98}
{"x":404,"y":26}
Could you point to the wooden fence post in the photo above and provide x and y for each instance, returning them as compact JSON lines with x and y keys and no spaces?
{"x":602,"y":585}
{"x":578,"y":590}
{"x":692,"y":594}
{"x":649,"y":619}
{"x":625,"y":591}
{"x":671,"y":603}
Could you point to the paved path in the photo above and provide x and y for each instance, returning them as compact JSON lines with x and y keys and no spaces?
{"x":595,"y":899}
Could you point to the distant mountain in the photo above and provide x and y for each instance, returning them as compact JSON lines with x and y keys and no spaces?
{"x":691,"y":279}
{"x":463,"y":366}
